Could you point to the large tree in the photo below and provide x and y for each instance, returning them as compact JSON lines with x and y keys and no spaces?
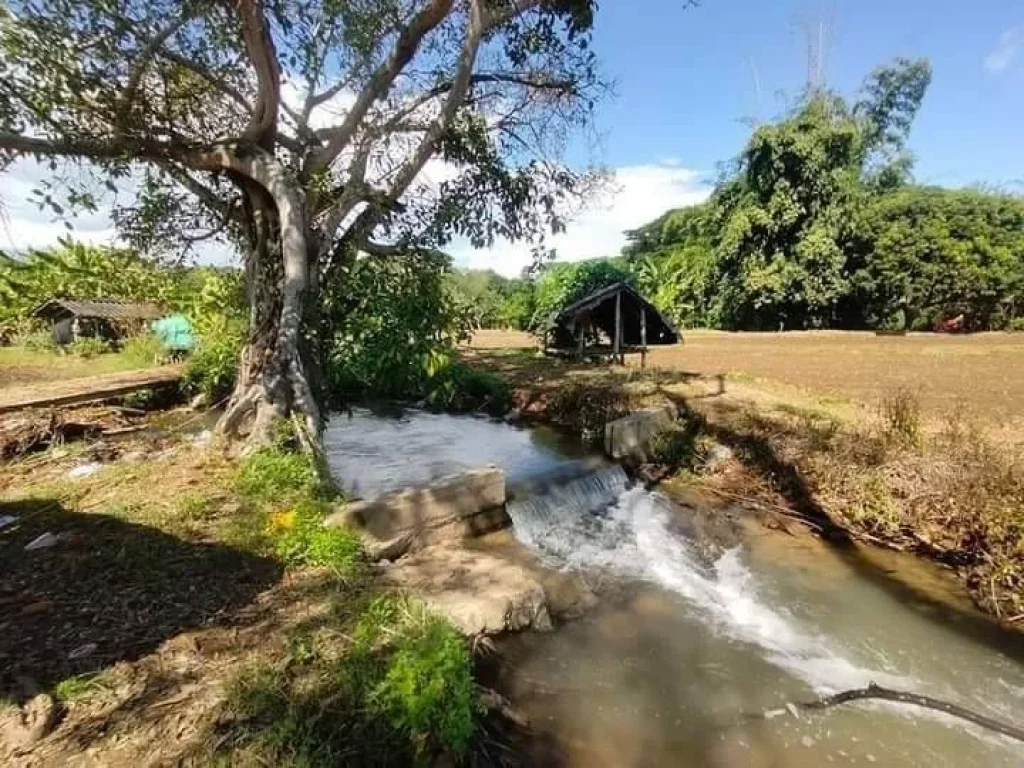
{"x":302,"y":129}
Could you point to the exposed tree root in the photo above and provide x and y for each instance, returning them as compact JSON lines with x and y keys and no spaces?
{"x":877,"y":692}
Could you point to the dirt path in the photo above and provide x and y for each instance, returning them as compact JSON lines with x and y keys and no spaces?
{"x":88,"y":389}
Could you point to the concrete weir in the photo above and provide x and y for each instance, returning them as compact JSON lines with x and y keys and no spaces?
{"x":455,"y":507}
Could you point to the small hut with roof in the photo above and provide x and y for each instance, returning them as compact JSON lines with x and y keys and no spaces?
{"x":610,"y":322}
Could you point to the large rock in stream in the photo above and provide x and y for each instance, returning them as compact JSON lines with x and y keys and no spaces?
{"x":481,"y":593}
{"x":452,"y":508}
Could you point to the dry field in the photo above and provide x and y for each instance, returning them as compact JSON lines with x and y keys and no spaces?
{"x":982,"y":373}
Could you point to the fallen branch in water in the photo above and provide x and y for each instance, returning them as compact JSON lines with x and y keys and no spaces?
{"x":877,"y":692}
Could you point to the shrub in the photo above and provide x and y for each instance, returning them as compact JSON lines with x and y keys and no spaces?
{"x":428,"y":687}
{"x":89,"y":346}
{"x":586,"y":407}
{"x":901,"y":418}
{"x":40,"y":341}
{"x":143,"y":350}
{"x":1016,"y":324}
{"x":460,"y":387}
{"x":213,"y":368}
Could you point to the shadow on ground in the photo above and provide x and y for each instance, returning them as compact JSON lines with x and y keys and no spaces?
{"x":108,"y":590}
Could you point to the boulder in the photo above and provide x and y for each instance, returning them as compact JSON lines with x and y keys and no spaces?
{"x":480,"y":593}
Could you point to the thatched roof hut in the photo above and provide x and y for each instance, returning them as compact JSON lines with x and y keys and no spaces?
{"x":110,"y":319}
{"x":612,"y":321}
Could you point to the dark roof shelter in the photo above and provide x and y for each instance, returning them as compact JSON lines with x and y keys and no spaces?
{"x":610,"y":322}
{"x":103,"y":318}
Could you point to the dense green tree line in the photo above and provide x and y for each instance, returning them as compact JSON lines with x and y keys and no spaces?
{"x":818,"y":226}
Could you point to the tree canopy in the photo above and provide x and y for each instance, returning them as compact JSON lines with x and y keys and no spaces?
{"x":306,"y":132}
{"x":817,"y":224}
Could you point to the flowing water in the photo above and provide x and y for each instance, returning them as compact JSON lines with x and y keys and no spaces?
{"x":681,"y":663}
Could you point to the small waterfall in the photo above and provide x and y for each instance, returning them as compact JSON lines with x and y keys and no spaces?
{"x":598,"y":522}
{"x":542,"y":516}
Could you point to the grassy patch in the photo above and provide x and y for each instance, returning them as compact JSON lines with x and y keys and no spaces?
{"x":399,"y":693}
{"x":81,"y":686}
{"x":299,"y":538}
{"x":274,"y":475}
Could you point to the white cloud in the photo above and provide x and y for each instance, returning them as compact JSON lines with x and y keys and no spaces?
{"x":638,"y":194}
{"x":1010,"y":44}
{"x":24,"y":226}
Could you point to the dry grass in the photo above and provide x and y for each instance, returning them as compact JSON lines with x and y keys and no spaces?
{"x":981,"y":373}
{"x":19,"y":366}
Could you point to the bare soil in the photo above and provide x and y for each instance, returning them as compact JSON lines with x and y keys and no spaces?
{"x":982,"y":374}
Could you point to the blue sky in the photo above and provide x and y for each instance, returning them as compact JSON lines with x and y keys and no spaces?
{"x":685,"y":81}
{"x":685,"y":76}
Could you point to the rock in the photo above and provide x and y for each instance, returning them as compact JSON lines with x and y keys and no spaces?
{"x":6,"y":520}
{"x":199,"y":402}
{"x":84,"y":470}
{"x":480,"y":593}
{"x":38,"y":718}
{"x":44,"y":541}
{"x":630,"y":437}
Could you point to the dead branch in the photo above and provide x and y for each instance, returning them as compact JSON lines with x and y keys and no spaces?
{"x":877,"y":692}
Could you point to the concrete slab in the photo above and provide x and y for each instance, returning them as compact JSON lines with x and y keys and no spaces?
{"x":458,"y":506}
{"x":630,"y":437}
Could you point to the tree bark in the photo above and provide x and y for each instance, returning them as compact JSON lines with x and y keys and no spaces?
{"x":274,"y":377}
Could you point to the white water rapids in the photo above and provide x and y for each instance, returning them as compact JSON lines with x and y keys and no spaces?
{"x":598,"y":522}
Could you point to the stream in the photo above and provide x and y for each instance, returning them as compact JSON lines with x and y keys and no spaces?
{"x":691,"y":658}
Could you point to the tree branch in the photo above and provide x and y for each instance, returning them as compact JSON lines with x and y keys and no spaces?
{"x":260,"y":48}
{"x":476,"y":28}
{"x":405,"y":48}
{"x":877,"y":692}
{"x":142,"y":64}
{"x":210,"y":77}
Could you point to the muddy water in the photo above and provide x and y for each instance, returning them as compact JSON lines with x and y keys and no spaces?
{"x":689,"y":651}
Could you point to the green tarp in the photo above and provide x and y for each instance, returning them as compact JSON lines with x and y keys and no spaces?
{"x":175,"y":333}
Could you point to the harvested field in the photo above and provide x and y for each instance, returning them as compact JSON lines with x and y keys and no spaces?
{"x":981,"y":373}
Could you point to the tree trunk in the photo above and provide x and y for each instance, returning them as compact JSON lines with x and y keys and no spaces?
{"x":275,"y":369}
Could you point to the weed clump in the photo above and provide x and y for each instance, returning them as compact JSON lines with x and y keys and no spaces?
{"x":400,"y":693}
{"x":901,"y":419}
{"x":300,"y":538}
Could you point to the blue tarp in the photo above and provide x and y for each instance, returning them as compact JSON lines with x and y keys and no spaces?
{"x":175,"y":333}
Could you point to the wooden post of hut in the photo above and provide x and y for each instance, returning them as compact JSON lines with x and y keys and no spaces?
{"x":643,"y":337}
{"x":616,"y":353}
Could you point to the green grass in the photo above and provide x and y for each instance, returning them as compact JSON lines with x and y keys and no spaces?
{"x":275,"y":475}
{"x":80,"y":686}
{"x":402,"y":691}
{"x":26,"y":366}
